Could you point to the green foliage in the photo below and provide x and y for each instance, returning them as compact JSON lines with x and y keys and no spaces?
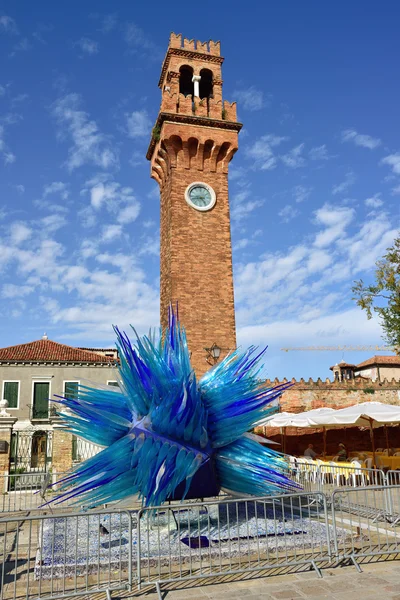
{"x":369,"y":391}
{"x":383,"y":297}
{"x":156,"y":133}
{"x":223,"y":114}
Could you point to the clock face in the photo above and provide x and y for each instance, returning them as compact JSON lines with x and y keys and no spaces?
{"x":200,"y":196}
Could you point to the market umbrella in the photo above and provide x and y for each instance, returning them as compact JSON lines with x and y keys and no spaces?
{"x":370,"y":414}
{"x":303,"y":419}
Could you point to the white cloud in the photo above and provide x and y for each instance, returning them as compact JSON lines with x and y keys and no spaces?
{"x":89,"y":145}
{"x":374,"y":202}
{"x":22,"y":46}
{"x":53,"y":222}
{"x":2,"y":90}
{"x":293,"y":158}
{"x":250,"y":99}
{"x":8,"y":24}
{"x":19,"y":188}
{"x":128,"y":214}
{"x":88,"y":46}
{"x":366,"y":141}
{"x":10,"y":290}
{"x":288,"y":212}
{"x":318,"y":260}
{"x":138,"y":124}
{"x":109,"y":23}
{"x":241,"y":211}
{"x":319,"y":153}
{"x":8,"y":156}
{"x":393,"y":161}
{"x":344,"y":185}
{"x":301,"y":192}
{"x":261,"y":152}
{"x":242,"y":206}
{"x":111,"y":232}
{"x":56,"y":187}
{"x":335,"y":220}
{"x":396,"y":190}
{"x":120,"y":201}
{"x":301,"y":285}
{"x":140,"y":43}
{"x":19,"y":232}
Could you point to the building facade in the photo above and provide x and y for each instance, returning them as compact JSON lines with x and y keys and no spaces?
{"x":32,"y":374}
{"x":376,"y":368}
{"x":193,"y":141}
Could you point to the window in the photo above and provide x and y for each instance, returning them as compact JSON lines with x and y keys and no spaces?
{"x":71,"y":389}
{"x":41,"y":392}
{"x":11,"y":393}
{"x":113,"y":383}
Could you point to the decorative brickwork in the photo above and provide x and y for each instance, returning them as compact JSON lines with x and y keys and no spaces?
{"x":194,"y":139}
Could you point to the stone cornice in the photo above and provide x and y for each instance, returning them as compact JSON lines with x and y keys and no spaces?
{"x":191,"y":54}
{"x":191,"y":120}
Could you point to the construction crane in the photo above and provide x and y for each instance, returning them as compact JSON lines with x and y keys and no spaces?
{"x":341,"y":348}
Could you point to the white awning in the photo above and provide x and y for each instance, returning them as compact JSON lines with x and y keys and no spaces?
{"x":361,"y":415}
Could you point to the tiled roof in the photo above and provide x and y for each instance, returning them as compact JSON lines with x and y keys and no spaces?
{"x":49,"y":351}
{"x":380,"y":360}
{"x":343,"y":365}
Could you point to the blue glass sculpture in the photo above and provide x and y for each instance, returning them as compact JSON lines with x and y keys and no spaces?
{"x":167,"y":435}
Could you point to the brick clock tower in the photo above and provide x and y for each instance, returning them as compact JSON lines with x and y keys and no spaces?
{"x":193,"y":141}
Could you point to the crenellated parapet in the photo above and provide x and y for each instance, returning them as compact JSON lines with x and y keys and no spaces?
{"x":348,"y":384}
{"x":210,"y":47}
{"x":212,"y":108}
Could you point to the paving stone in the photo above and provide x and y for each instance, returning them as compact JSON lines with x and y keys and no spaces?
{"x":286,"y":595}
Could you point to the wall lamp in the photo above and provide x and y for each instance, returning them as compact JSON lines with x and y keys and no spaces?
{"x":213,"y":354}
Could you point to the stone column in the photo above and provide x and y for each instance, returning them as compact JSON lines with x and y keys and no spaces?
{"x":62,"y":450}
{"x":196,"y":80}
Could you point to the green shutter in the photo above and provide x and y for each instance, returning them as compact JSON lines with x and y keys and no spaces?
{"x":74,"y":447}
{"x":40,"y":401}
{"x":11,"y":393}
{"x":71,"y":389}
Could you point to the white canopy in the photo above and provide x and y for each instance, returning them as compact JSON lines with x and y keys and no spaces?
{"x":304,"y":419}
{"x":361,"y":415}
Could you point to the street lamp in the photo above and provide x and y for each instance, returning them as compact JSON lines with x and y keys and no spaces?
{"x":213,"y":354}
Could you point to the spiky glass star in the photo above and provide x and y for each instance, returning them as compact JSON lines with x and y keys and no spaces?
{"x":167,"y":435}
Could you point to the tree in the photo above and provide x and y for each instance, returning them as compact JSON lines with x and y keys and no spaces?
{"x":383,"y":297}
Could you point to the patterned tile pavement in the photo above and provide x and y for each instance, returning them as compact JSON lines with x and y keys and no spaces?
{"x":377,"y":581}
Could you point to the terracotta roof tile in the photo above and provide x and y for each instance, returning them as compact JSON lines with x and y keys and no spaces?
{"x":380,"y":360}
{"x":49,"y":351}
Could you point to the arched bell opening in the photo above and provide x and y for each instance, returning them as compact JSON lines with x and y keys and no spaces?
{"x":186,"y":85}
{"x":206,"y":84}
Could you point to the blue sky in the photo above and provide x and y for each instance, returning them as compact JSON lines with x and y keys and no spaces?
{"x":314,"y":188}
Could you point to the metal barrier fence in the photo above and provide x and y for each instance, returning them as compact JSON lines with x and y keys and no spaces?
{"x":208,"y":539}
{"x":28,"y":491}
{"x":370,"y":515}
{"x":326,"y":477}
{"x":49,"y":556}
{"x":71,"y":554}
{"x":393,"y":477}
